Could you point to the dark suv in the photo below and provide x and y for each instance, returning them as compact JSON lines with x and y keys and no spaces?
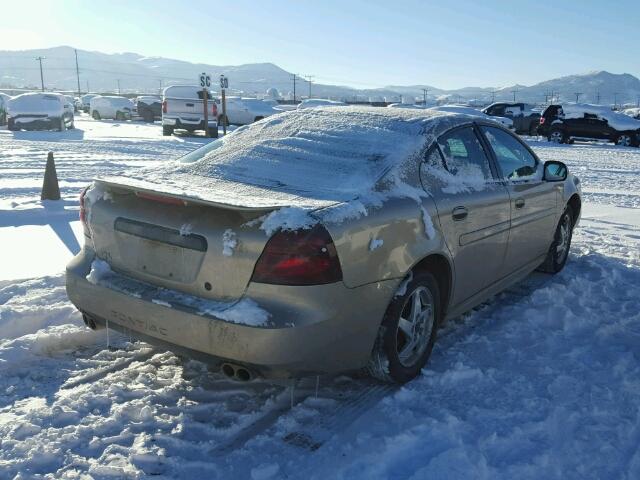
{"x":525,"y":119}
{"x":563,"y":123}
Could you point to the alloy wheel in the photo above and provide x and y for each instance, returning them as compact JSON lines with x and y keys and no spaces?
{"x":624,"y":140}
{"x":556,"y":137}
{"x":415,"y":326}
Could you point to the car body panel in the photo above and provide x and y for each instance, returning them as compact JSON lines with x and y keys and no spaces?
{"x":318,"y":328}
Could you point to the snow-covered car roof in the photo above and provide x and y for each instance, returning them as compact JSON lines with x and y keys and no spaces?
{"x":471,"y":111}
{"x":37,"y":103}
{"x":307,"y":158}
{"x":404,"y":105}
{"x":319,"y":102}
{"x":185,"y":91}
{"x":617,"y":120}
{"x":113,"y":100}
{"x":148,"y":99}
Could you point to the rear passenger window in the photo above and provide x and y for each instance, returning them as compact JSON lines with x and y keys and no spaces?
{"x":516,"y":162}
{"x":464,"y":155}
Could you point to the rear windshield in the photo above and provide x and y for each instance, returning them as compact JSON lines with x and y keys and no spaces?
{"x":309,"y":152}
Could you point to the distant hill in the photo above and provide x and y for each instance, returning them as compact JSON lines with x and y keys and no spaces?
{"x":134,"y":73}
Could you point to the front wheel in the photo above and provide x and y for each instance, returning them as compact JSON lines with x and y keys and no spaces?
{"x":62,"y":126}
{"x":167,"y":130}
{"x":96,"y":115}
{"x":559,"y":250}
{"x":408,"y":331}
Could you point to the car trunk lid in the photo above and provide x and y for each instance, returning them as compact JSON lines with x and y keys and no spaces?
{"x":176,"y":242}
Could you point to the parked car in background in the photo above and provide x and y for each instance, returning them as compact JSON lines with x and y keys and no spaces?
{"x":405,"y":105}
{"x":39,"y":111}
{"x":504,"y":121}
{"x":306,"y":255}
{"x":149,"y":108}
{"x":4,"y":103}
{"x":85,"y":100}
{"x":569,"y":121}
{"x":632,"y":112}
{"x":243,"y":111}
{"x":183,"y":109}
{"x":111,"y":107}
{"x":319,"y":102}
{"x":524,"y":116}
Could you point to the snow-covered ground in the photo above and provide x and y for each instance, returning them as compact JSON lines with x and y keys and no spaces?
{"x":543,"y":381}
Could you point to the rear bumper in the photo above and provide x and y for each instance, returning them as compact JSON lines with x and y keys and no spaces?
{"x":317,"y":329}
{"x":41,"y":123}
{"x":187,"y":124}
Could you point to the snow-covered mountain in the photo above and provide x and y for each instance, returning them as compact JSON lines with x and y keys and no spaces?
{"x":134,"y":73}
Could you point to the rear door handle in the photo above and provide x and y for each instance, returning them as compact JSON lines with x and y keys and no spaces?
{"x":519,"y":202}
{"x":459,"y":213}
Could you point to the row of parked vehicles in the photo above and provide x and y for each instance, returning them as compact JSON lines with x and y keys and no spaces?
{"x":182,"y":108}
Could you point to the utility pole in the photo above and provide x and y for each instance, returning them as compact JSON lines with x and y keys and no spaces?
{"x":118,"y":80}
{"x":493,"y":96}
{"x":160,"y":82}
{"x":638,"y":101}
{"x":294,"y":88}
{"x":309,"y":79}
{"x":597,"y":96}
{"x":425,"y":91}
{"x":514,"y":93}
{"x":77,"y":72}
{"x":577,"y":94}
{"x":615,"y":99}
{"x":88,"y":90}
{"x":41,"y":76}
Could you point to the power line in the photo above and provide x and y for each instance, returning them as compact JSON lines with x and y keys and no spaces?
{"x":41,"y":75}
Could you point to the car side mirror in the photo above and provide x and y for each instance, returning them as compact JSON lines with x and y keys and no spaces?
{"x":555,"y":171}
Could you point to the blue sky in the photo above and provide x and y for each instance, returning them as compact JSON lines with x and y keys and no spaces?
{"x":447,"y":44}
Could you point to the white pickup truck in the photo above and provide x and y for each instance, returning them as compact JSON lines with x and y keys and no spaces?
{"x":182,"y":108}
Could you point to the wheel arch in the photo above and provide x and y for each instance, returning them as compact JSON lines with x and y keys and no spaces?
{"x":439,"y":266}
{"x":576,"y":205}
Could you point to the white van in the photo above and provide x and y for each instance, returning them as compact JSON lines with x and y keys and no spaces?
{"x":111,"y":107}
{"x":183,"y":108}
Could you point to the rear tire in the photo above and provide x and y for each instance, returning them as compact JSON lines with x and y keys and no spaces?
{"x":96,"y":115}
{"x":408,"y":331}
{"x":167,"y":130}
{"x":559,"y":251}
{"x":557,"y":136}
{"x":11,"y":125}
{"x":626,"y":140}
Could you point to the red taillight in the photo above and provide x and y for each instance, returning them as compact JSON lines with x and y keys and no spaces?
{"x":541,"y":120}
{"x":301,"y":257}
{"x":214,"y":109}
{"x":164,"y":106}
{"x":83,"y":211}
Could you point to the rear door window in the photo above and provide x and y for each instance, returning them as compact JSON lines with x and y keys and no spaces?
{"x":463,"y":154}
{"x":515,"y":160}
